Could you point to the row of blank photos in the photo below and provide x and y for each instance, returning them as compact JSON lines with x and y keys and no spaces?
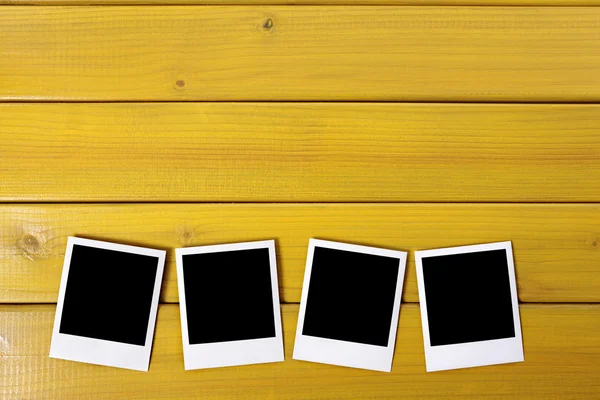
{"x":230,"y":313}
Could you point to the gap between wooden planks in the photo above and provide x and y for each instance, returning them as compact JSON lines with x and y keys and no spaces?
{"x":299,"y":152}
{"x":556,"y":247}
{"x":562,"y":361}
{"x":318,"y":53}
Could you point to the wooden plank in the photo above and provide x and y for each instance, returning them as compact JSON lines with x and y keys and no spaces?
{"x":265,"y":152}
{"x":553,"y":3}
{"x":300,"y":53}
{"x":562,"y":361}
{"x":557,"y":255}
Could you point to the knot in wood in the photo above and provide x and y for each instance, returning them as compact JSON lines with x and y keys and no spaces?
{"x":30,"y":245}
{"x":268,"y":24}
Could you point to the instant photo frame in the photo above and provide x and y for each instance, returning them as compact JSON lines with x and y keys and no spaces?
{"x":107,"y":304}
{"x":216,"y":334}
{"x":483,"y":326}
{"x":354,"y":337}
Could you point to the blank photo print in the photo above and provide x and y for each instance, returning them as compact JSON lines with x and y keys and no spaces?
{"x":350,"y":305}
{"x":469,"y":306}
{"x":229,"y":299}
{"x":107,"y":304}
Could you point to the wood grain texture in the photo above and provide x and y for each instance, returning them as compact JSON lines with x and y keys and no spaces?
{"x":300,"y":53}
{"x":266,"y":152}
{"x":562,"y":361}
{"x":556,"y":247}
{"x":553,"y":3}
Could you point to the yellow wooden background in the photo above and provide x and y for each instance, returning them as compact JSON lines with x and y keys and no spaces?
{"x":406,"y":124}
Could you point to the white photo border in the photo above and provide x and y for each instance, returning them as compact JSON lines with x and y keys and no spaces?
{"x":338,"y":352}
{"x":473,"y":354}
{"x":239,"y":352}
{"x":99,"y":351}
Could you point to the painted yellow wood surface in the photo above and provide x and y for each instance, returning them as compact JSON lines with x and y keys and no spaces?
{"x":303,"y":152}
{"x":556,"y":247}
{"x":300,"y":53}
{"x":263,"y":152}
{"x":562,"y":361}
{"x":555,"y":3}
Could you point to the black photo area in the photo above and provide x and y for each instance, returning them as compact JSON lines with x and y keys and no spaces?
{"x":351,"y":296}
{"x":468,"y":297}
{"x":228,"y":296}
{"x":109,"y":295}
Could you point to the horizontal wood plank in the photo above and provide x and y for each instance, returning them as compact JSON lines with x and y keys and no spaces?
{"x":300,"y":53}
{"x":553,"y":3}
{"x":557,"y":255}
{"x":299,"y":152}
{"x":562,"y":361}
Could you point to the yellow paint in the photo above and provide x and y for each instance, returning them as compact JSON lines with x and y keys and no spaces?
{"x":299,"y":152}
{"x":557,"y":255}
{"x":562,"y":361}
{"x":303,"y":53}
{"x":314,"y":2}
{"x":278,"y":152}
